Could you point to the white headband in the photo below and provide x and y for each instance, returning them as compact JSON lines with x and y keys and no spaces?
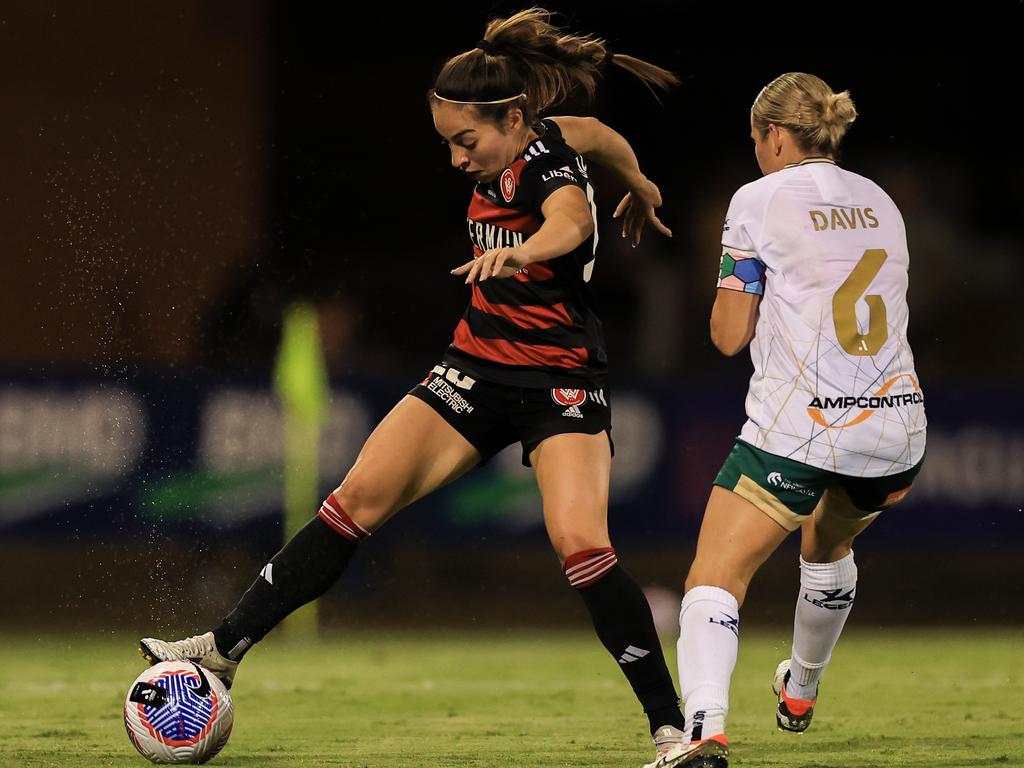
{"x":480,"y":103}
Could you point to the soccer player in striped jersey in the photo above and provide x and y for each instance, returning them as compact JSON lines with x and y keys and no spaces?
{"x":814,"y":277}
{"x":527,"y":363}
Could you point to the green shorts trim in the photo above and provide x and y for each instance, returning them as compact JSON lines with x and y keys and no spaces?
{"x":788,"y":491}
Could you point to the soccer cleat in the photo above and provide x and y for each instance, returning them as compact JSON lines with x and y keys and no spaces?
{"x":712,"y":752}
{"x":200,"y":649}
{"x":792,"y":714}
{"x":667,"y":739}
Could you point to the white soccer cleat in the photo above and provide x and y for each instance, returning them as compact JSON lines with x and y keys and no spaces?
{"x":780,"y":676}
{"x":668,"y":741}
{"x":712,"y":752}
{"x":200,"y":649}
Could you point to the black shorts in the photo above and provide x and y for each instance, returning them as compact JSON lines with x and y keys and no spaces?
{"x":492,"y":416}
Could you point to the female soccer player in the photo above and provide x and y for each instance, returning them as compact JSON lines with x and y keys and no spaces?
{"x":814,"y":276}
{"x":527,"y":363}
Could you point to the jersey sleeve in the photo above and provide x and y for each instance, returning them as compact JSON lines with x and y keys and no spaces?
{"x":740,"y":267}
{"x":555,"y":166}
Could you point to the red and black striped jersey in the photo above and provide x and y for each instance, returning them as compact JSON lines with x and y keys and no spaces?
{"x":539,"y":327}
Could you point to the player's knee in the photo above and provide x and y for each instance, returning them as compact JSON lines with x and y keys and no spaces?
{"x":816,"y":552}
{"x":707,"y":575}
{"x":826,"y":541}
{"x":334,"y":514}
{"x":586,"y":567}
{"x":568,"y":543}
{"x":363,"y":503}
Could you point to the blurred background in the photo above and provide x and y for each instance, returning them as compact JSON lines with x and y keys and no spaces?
{"x":176,"y":175}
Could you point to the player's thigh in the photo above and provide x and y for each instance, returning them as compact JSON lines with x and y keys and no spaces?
{"x":757,"y":500}
{"x":828,"y":536}
{"x":736,"y":537}
{"x":573,"y":471}
{"x":412,"y":452}
{"x":849,"y":506}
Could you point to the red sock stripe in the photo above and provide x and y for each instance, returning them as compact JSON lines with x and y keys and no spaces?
{"x":589,"y":566}
{"x":332,"y":514}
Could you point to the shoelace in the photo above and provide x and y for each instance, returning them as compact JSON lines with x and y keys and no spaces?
{"x":192,"y":646}
{"x":664,"y":744}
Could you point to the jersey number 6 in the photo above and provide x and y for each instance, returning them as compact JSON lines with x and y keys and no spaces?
{"x":844,"y":307}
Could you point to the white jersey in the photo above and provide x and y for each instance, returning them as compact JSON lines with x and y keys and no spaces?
{"x":834,"y":383}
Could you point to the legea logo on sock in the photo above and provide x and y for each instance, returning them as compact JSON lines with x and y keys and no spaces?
{"x":833,"y":599}
{"x":731,"y":623}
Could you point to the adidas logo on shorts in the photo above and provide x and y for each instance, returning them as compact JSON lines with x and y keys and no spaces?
{"x":573,"y":412}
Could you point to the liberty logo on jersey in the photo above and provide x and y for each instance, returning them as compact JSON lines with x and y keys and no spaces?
{"x":508,"y":185}
{"x":881,"y":399}
{"x":559,"y":173}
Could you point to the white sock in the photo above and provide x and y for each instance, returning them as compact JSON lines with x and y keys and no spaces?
{"x":709,"y":620}
{"x":826,"y":597}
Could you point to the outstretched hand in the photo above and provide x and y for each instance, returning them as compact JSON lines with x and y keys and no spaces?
{"x":497,"y":262}
{"x":637,"y":208}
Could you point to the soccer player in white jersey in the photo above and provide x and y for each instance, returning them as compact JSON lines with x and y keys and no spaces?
{"x":814,"y":277}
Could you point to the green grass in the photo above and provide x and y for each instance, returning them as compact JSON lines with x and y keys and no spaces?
{"x":891,"y":698}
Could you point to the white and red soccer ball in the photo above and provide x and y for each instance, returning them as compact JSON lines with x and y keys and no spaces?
{"x":177,"y":712}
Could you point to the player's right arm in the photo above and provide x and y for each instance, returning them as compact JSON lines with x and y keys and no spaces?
{"x":568,"y":223}
{"x":733,"y":320}
{"x":741,"y":274}
{"x":605,"y":146}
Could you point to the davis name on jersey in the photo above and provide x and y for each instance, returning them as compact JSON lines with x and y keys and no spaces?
{"x":834,"y":384}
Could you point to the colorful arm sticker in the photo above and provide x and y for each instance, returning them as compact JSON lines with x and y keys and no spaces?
{"x":741,"y":271}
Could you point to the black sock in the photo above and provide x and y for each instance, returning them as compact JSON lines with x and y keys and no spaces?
{"x":622,"y":618}
{"x":303,"y":570}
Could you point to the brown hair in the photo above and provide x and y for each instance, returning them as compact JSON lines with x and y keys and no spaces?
{"x":527,"y":55}
{"x":805,"y":105}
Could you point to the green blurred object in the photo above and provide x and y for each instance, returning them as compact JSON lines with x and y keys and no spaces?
{"x":183,"y":495}
{"x":300,"y":381}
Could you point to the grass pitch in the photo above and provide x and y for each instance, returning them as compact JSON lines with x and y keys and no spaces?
{"x":922,"y":697}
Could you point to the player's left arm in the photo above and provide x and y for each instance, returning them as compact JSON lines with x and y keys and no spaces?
{"x":607,"y":147}
{"x":568,"y":223}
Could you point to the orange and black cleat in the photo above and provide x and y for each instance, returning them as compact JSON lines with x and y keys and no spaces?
{"x":792,"y":714}
{"x":712,"y":752}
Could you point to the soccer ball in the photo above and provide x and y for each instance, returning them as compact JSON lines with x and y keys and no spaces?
{"x":177,"y":712}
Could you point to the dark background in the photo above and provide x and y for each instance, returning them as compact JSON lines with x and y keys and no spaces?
{"x":175,"y":174}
